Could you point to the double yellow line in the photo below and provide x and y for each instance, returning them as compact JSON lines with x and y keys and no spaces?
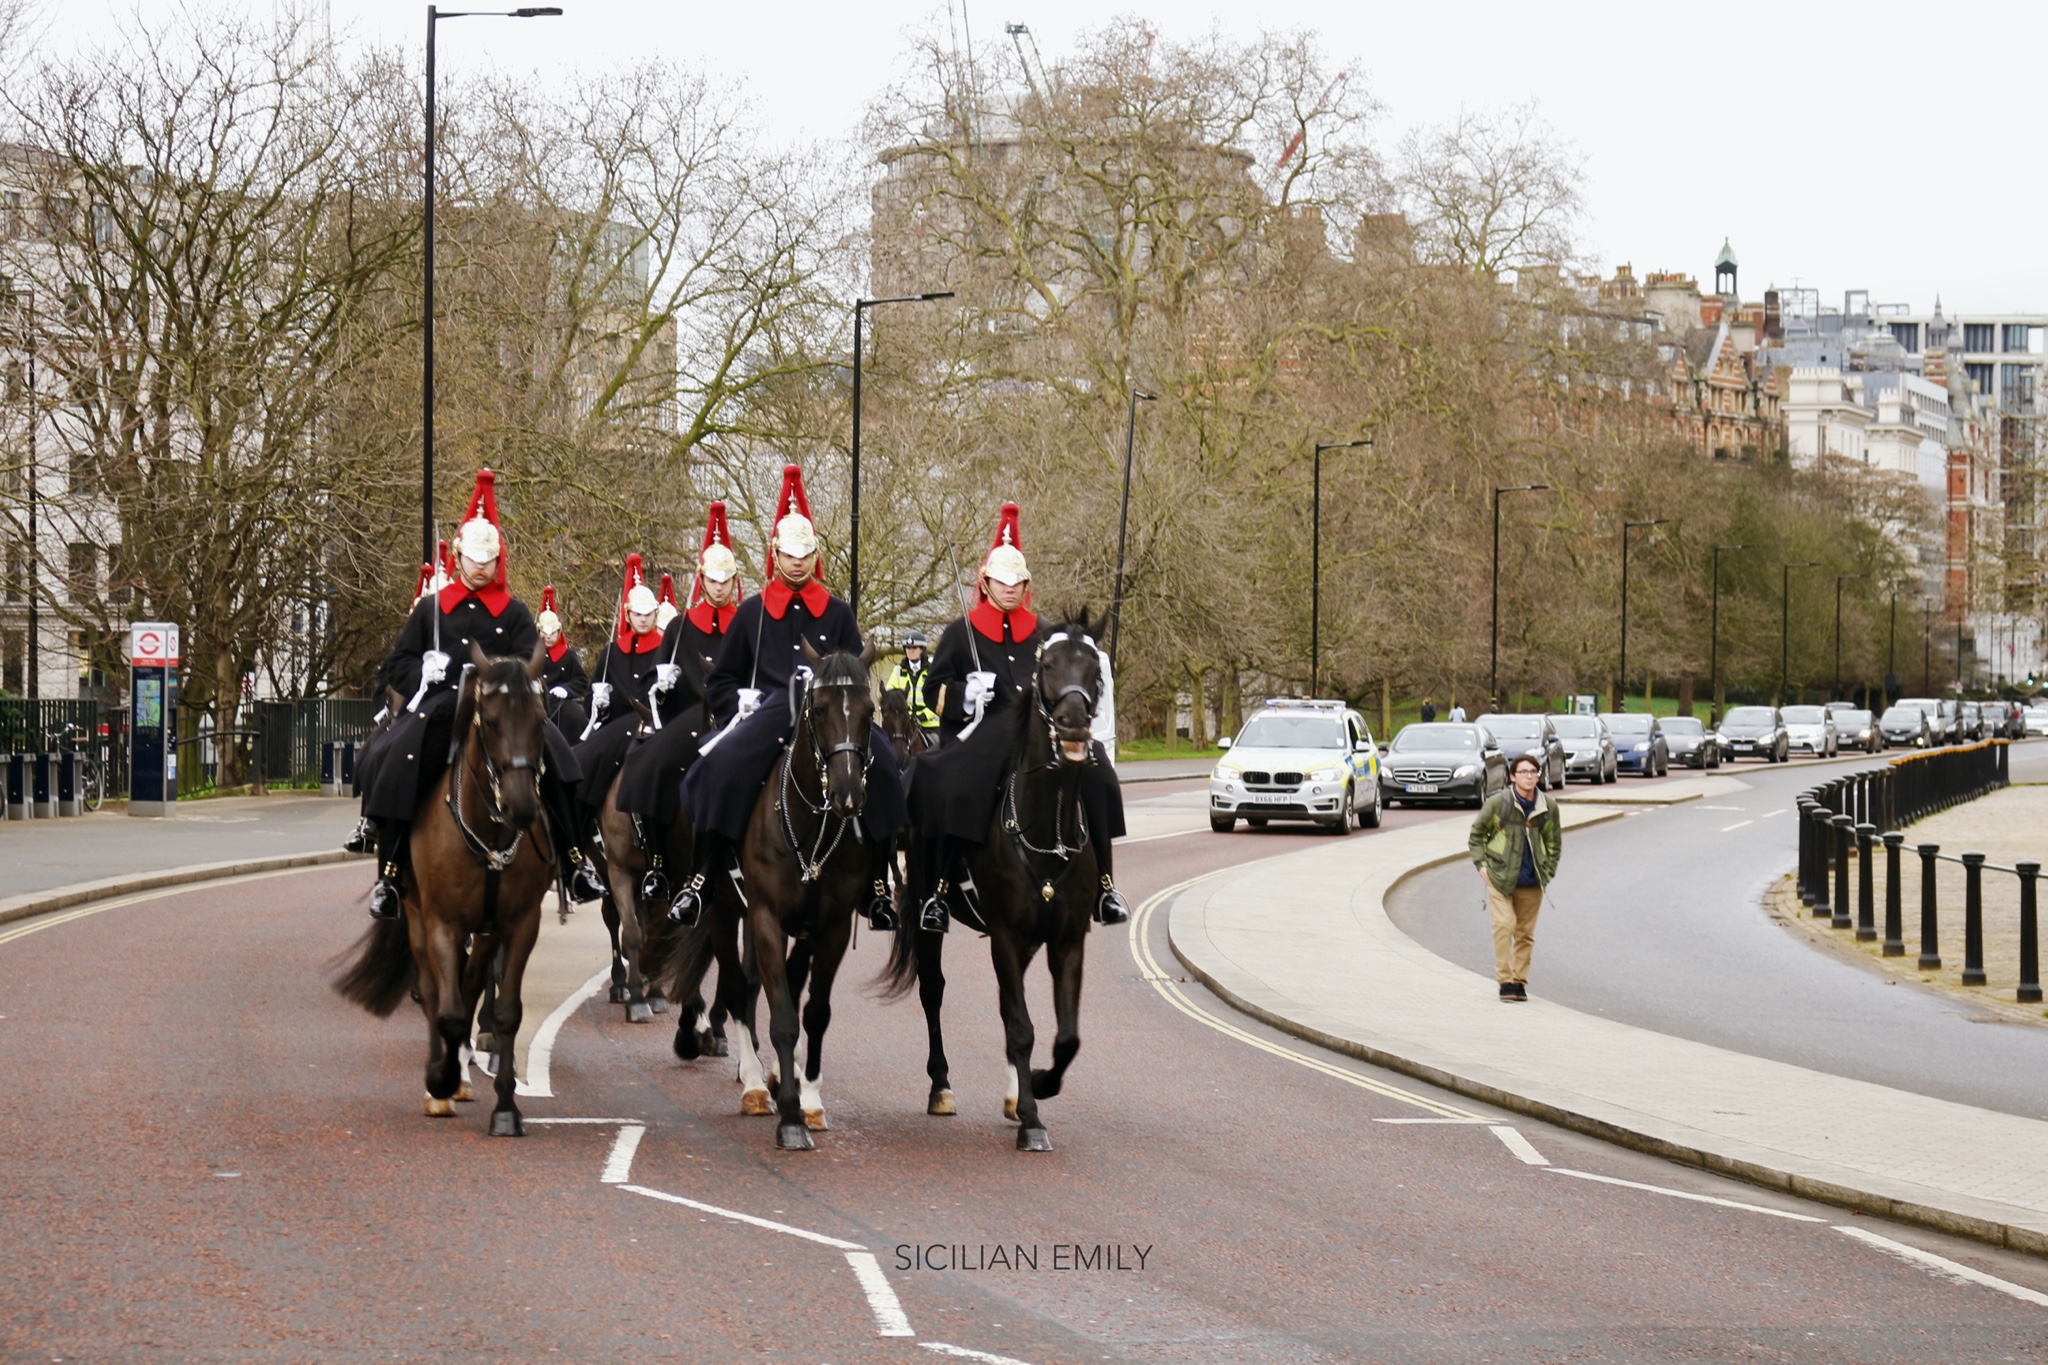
{"x":1169,"y":989}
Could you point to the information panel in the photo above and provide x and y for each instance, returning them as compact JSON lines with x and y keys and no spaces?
{"x":153,"y":726}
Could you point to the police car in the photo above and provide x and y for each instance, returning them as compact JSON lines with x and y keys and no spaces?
{"x":1298,"y":760}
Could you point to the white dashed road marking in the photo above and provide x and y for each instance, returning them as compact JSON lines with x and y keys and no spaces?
{"x":1730,"y":829}
{"x":618,"y":1167}
{"x":1942,"y":1266}
{"x":888,"y":1309}
{"x":1519,"y":1145}
{"x":962,"y":1353}
{"x":1687,"y":1194}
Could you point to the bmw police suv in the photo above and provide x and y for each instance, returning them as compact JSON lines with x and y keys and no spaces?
{"x":1299,"y":760}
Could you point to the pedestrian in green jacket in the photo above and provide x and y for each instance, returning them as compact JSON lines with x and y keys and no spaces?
{"x":1515,"y":843}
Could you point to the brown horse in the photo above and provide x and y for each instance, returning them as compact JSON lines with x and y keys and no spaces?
{"x":480,"y":862}
{"x":805,"y":869}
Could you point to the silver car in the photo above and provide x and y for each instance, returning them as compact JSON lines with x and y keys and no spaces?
{"x":1810,"y":730}
{"x":1589,"y":751}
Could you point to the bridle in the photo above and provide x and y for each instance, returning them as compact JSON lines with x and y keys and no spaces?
{"x":831,"y":828}
{"x":1091,"y":699}
{"x":1061,"y":851}
{"x":494,"y":858}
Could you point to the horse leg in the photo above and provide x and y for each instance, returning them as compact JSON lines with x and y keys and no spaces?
{"x":1064,"y":960}
{"x":518,"y":947}
{"x":654,"y":937}
{"x":478,"y":986}
{"x":442,"y":999}
{"x":632,"y":945}
{"x":765,"y":928}
{"x":610,"y":910}
{"x":826,"y":956}
{"x":931,"y":993}
{"x":739,"y":992}
{"x":1018,"y":1039}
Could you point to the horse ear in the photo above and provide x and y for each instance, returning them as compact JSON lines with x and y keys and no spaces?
{"x":538,"y":662}
{"x":476,"y":655}
{"x":867,"y":655}
{"x":810,"y":655}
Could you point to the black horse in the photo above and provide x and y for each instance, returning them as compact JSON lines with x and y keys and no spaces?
{"x":805,"y":869}
{"x":1033,"y":882}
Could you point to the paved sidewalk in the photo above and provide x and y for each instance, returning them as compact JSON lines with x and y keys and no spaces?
{"x":1326,"y":963}
{"x":40,"y":855}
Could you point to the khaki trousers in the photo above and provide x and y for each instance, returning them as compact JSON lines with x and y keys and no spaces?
{"x":1514,"y":930}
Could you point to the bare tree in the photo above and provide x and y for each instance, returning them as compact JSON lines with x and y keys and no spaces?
{"x":1492,"y":192}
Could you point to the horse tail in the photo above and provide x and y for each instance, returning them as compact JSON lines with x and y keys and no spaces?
{"x":381,"y":973}
{"x":689,"y":957}
{"x":899,"y":977}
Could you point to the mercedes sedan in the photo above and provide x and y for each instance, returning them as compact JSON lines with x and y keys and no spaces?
{"x":1756,"y":732}
{"x":1443,"y":764}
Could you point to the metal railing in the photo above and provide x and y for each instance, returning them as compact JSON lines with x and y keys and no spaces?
{"x":203,"y":757}
{"x":1839,"y":831}
{"x":39,"y":725}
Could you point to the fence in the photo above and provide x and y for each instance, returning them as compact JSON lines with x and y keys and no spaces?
{"x":1848,"y":812}
{"x":43,"y":725}
{"x":292,"y":735}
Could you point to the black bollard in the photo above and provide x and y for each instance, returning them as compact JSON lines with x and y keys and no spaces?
{"x":1866,"y":909}
{"x":1973,"y":919}
{"x":1894,"y":914}
{"x":1807,"y":839}
{"x":1930,"y":947}
{"x":2030,"y":952}
{"x":1843,"y":825}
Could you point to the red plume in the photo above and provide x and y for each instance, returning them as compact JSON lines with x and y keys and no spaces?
{"x":426,"y":577}
{"x":668,"y":589}
{"x":622,"y":628}
{"x":792,"y":499}
{"x":547,"y":599}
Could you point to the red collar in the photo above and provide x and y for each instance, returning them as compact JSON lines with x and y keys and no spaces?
{"x":495,"y":596}
{"x":712,"y":620}
{"x":558,"y":649}
{"x":630,"y":643}
{"x":776,"y":597}
{"x":986,"y":619}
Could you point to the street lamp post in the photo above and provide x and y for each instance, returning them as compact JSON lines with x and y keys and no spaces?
{"x":1714,"y":640}
{"x":24,"y":308}
{"x":1123,"y":518}
{"x":860,"y":307}
{"x":1926,"y":647}
{"x":1835,"y":694}
{"x":434,"y":16}
{"x":1891,"y":651}
{"x":1315,"y":575}
{"x":1785,"y":625}
{"x":1493,"y":693}
{"x":1621,"y":686}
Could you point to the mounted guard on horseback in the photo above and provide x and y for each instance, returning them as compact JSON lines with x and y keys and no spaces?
{"x":565,"y":687}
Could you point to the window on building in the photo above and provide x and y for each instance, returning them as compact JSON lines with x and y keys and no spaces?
{"x":2016,"y":386}
{"x":17,"y":571}
{"x":84,"y":578}
{"x":120,"y":577}
{"x":1980,"y":336}
{"x":82,"y":469}
{"x":77,"y":302}
{"x":1907,"y":334}
{"x":1981,"y":375}
{"x":60,"y":213}
{"x":2019,"y":338}
{"x":11,"y":223}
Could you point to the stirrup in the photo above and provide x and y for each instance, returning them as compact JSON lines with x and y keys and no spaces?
{"x":584,"y":883}
{"x":385,"y":902}
{"x":654,"y":886}
{"x":933,"y":917}
{"x":362,"y":838}
{"x":688,"y":906}
{"x":1110,"y":906}
{"x":882,"y":909}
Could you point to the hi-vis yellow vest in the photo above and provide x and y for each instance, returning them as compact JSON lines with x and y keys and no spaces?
{"x":913,"y":689}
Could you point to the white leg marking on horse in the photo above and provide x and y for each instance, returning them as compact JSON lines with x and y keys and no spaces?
{"x":811,"y":1092}
{"x":1011,"y":1093}
{"x":703,"y":1022}
{"x":752,"y":1077}
{"x":890,"y":1319}
{"x":618,"y":1167}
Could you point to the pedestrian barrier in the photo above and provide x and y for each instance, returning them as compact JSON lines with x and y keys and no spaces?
{"x":18,"y":788}
{"x":1848,"y":812}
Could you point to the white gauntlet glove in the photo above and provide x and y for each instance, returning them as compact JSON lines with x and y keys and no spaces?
{"x":561,"y":692}
{"x":433,"y":667}
{"x":666,"y":675}
{"x":750,"y":701}
{"x":600,"y":697}
{"x":979,"y":688}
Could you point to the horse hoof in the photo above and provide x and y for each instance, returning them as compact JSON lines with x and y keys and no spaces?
{"x":688,"y":1046}
{"x":1033,"y":1140}
{"x":657,"y":1002}
{"x":794,"y":1137}
{"x":720,"y":1048}
{"x":440,"y":1109}
{"x":486,"y":1044}
{"x":464,"y":1093}
{"x":639,"y":1012}
{"x":814,"y":1119}
{"x":1010,"y":1107}
{"x":505,"y":1123}
{"x":941,"y":1104}
{"x":755,"y":1104}
{"x":620,"y":995}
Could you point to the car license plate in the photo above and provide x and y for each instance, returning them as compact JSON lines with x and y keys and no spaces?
{"x":1420,"y":788}
{"x":1272,"y":798}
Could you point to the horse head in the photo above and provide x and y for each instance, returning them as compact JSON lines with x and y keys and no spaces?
{"x":839,"y":713}
{"x":501,"y":707}
{"x":1069,"y":684}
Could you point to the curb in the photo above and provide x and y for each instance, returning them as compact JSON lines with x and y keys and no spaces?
{"x":79,"y":893}
{"x":1956,"y":1223}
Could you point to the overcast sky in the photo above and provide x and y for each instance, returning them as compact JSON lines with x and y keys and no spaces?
{"x":1884,"y":146}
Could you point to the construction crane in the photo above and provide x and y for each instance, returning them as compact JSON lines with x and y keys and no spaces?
{"x":1019,"y":35}
{"x":1294,"y":143}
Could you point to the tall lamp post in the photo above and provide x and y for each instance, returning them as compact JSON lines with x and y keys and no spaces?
{"x":860,"y":307}
{"x":1621,"y":684}
{"x":1493,"y":692}
{"x":1315,"y":575}
{"x":1836,"y":693}
{"x":1891,"y":651}
{"x":1926,"y":647}
{"x":1785,"y":625}
{"x":1714,"y":640}
{"x":434,"y":16}
{"x":24,"y":317}
{"x":1123,"y":518}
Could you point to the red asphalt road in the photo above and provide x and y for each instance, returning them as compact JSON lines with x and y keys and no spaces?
{"x":210,"y":1157}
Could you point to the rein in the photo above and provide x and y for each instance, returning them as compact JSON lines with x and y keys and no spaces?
{"x":1061,"y":851}
{"x":812,"y":865}
{"x":494,"y":859}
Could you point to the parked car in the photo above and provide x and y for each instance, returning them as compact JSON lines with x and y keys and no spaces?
{"x":2037,"y":720}
{"x":1588,"y":748}
{"x":1756,"y":732}
{"x":2015,"y":720}
{"x":1971,"y":720}
{"x":1690,"y":743}
{"x":1906,"y":726}
{"x":1523,"y":734}
{"x":1856,"y":729}
{"x":1943,"y":718}
{"x":1638,"y":743}
{"x":1443,"y":764}
{"x":1298,"y":760}
{"x":1810,"y":730}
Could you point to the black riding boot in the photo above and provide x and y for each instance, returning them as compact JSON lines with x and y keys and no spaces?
{"x":932,"y":915}
{"x":1110,"y":906}
{"x":566,"y":819}
{"x":882,"y":904}
{"x":362,"y":838}
{"x":654,"y":884}
{"x":688,"y":906}
{"x":385,"y":900}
